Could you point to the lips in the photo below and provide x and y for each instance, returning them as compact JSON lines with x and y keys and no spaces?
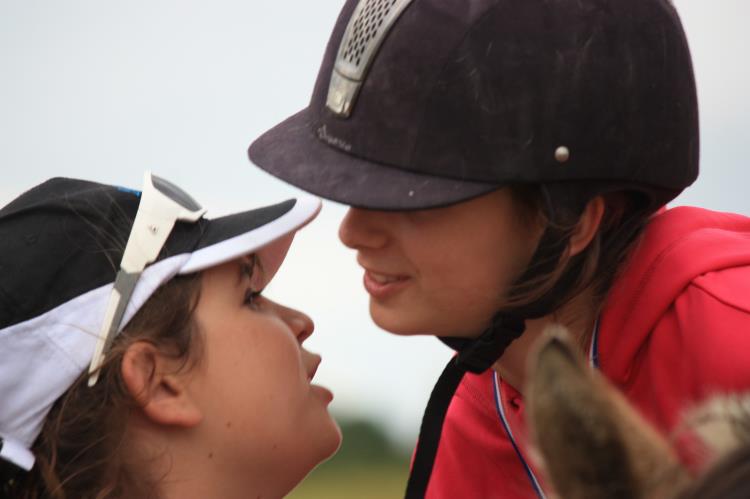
{"x":380,"y":283}
{"x":382,"y":286}
{"x":320,"y":391}
{"x":323,"y":393}
{"x":314,"y":369}
{"x":384,"y":278}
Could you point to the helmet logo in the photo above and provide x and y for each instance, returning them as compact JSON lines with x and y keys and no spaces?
{"x":334,"y":141}
{"x":370,"y":22}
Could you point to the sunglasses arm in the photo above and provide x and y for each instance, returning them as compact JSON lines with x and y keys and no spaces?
{"x":154,"y":221}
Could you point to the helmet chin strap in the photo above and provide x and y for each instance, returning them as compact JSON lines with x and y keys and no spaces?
{"x":476,"y":355}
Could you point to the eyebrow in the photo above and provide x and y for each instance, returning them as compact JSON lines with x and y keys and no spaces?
{"x":248,"y":265}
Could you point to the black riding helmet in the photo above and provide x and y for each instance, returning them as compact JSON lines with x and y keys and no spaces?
{"x":425,"y":103}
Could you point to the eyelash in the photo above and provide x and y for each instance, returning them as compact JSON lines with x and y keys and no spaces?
{"x":248,"y":269}
{"x":251,"y":297}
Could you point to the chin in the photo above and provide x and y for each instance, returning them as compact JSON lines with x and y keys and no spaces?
{"x":334,"y":441}
{"x":410,"y":324}
{"x":399,"y":323}
{"x":315,"y":452}
{"x":328,"y":440}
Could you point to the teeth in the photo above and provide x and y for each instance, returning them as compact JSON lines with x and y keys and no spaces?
{"x":382,"y":279}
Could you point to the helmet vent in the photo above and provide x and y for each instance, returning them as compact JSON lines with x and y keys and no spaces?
{"x":365,"y":27}
{"x":370,"y":22}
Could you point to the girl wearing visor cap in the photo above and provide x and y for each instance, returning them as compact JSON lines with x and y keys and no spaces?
{"x":506,"y":163}
{"x":138,"y":355}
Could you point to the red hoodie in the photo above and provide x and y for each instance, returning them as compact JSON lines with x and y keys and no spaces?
{"x":675,"y":329}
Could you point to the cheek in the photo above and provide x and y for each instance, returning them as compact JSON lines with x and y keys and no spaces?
{"x":283,"y":409}
{"x":461,"y":287}
{"x":469,"y":294}
{"x":255,"y":364}
{"x":468,"y":274}
{"x":275,"y":363}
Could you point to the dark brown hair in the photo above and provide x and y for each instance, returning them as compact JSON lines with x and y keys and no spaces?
{"x":78,"y":450}
{"x":595,"y":268}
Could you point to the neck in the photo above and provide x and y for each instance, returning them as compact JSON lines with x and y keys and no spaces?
{"x":578,"y":316}
{"x":182,"y":465}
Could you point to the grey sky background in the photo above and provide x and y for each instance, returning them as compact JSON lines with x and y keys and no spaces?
{"x":103,"y":90}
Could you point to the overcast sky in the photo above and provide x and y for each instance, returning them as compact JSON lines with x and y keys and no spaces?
{"x":103,"y":90}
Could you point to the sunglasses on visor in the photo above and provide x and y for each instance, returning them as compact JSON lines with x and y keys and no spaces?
{"x":162,"y":205}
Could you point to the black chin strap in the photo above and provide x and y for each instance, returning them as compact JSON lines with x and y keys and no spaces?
{"x":474,"y":355}
{"x":478,"y":355}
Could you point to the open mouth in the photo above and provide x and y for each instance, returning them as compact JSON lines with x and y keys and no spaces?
{"x":385,"y":278}
{"x":320,"y":391}
{"x":311,"y":372}
{"x":381,"y":286}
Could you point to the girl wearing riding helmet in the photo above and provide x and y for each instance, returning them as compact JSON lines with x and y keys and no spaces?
{"x":506,"y":163}
{"x":138,"y":356}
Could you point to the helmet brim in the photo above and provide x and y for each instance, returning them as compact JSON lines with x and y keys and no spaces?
{"x":292,"y":152}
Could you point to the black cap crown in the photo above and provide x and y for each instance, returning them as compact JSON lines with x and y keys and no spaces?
{"x":460,"y":97}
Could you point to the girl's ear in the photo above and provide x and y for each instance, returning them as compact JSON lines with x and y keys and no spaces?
{"x":160,"y":390}
{"x":587,"y":225}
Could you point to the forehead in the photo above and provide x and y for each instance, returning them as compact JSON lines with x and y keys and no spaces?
{"x":237,"y":272}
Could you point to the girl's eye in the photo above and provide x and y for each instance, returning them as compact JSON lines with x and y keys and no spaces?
{"x":251,"y":298}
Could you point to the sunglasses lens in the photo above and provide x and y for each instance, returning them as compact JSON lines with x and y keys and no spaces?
{"x":175,"y":193}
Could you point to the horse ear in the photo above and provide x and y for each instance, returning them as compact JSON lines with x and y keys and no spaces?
{"x":592,"y":443}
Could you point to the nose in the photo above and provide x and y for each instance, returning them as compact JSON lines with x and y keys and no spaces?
{"x":300,"y":323}
{"x":362,"y":229}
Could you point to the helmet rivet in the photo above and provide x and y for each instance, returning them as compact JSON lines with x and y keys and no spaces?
{"x":562,"y":154}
